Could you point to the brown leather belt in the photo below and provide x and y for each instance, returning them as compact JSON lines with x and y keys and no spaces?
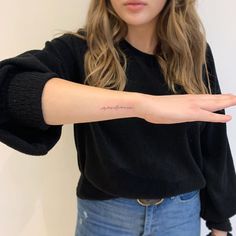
{"x":148,"y":202}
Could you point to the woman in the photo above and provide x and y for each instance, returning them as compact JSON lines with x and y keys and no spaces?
{"x":166,"y":164}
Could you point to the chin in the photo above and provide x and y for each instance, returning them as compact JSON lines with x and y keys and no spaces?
{"x":136,"y":21}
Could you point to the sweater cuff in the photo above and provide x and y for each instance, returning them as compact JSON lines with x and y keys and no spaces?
{"x":24,"y":98}
{"x":228,"y":234}
{"x":223,"y":225}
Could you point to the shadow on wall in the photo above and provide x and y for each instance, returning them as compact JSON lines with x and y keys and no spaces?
{"x":40,"y":191}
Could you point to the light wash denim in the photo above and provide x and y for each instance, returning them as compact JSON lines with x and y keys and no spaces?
{"x":176,"y":216}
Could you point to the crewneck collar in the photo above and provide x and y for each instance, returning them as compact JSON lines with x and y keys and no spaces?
{"x":134,"y":51}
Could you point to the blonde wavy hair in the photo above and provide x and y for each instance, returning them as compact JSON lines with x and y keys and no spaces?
{"x":180,"y":51}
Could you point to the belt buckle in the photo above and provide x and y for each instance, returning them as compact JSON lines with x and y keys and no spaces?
{"x":148,"y":202}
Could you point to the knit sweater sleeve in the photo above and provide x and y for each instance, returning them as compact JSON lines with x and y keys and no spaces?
{"x":22,"y":79}
{"x":218,"y":197}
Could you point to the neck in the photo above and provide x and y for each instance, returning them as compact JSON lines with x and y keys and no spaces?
{"x":142,"y":37}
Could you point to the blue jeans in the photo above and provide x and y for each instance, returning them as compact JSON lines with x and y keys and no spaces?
{"x":176,"y":216}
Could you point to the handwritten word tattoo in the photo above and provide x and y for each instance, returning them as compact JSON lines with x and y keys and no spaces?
{"x":115,"y":107}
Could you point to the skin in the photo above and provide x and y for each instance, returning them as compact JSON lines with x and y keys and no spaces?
{"x":141,"y":24}
{"x":141,"y":27}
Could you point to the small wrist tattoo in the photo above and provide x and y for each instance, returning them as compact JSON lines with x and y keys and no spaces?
{"x":115,"y":107}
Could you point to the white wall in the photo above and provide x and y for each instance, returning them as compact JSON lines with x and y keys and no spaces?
{"x":38,"y":193}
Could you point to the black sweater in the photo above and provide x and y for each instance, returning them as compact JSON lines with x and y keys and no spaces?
{"x":127,"y":157}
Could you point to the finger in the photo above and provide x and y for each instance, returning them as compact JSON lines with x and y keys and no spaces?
{"x":207,"y":116}
{"x":214,"y":105}
{"x":215,"y":97}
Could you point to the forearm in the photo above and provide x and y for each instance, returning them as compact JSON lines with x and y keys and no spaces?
{"x":65,"y":102}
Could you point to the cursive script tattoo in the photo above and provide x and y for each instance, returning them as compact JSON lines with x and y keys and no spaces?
{"x":115,"y":107}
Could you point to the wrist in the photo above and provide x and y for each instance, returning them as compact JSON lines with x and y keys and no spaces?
{"x":216,"y":232}
{"x":140,"y":104}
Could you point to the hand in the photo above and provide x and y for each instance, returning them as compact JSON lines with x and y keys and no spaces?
{"x":168,"y":109}
{"x":216,"y":232}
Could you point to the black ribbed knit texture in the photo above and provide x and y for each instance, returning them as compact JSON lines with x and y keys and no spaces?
{"x":24,"y":98}
{"x":224,"y":225}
